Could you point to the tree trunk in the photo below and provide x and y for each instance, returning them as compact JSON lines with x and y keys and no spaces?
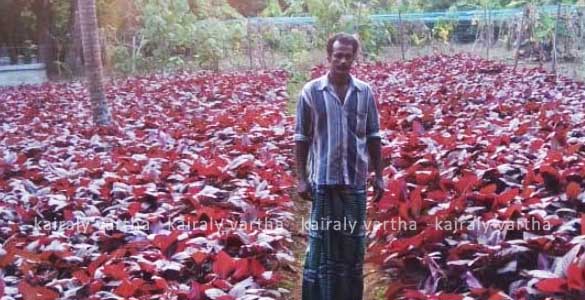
{"x":46,"y":44}
{"x":93,"y":62}
{"x":73,"y":54}
{"x":12,"y":27}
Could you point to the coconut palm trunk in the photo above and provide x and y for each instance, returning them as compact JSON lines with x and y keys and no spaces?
{"x":93,"y":62}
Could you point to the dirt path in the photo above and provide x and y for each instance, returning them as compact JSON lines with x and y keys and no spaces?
{"x":294,"y":276}
{"x":374,"y":280}
{"x":375,"y":283}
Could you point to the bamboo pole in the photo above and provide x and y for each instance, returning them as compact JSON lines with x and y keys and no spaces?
{"x":487,"y":31}
{"x":521,"y":38}
{"x":249,"y":44}
{"x":554,"y":58}
{"x":401,"y":34}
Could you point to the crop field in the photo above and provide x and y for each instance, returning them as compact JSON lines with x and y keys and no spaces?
{"x":190,"y":193}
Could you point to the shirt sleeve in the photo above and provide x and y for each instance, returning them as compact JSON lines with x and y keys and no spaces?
{"x":304,"y":122}
{"x":373,"y":119}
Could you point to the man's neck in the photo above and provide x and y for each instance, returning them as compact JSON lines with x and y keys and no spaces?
{"x":338,"y":80}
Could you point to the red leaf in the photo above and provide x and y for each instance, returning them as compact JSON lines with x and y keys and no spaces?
{"x":552,"y":285}
{"x":242,"y":269}
{"x":256,"y":268}
{"x":146,"y":267}
{"x":223,"y":265}
{"x":466,"y":183}
{"x":199,"y":257}
{"x":409,"y":294}
{"x":7,"y":258}
{"x":488,"y":189}
{"x":546,"y":169}
{"x":222,"y":284}
{"x":30,"y":292}
{"x":416,"y":202}
{"x":424,"y":177}
{"x":437,"y":195}
{"x":95,"y":286}
{"x":126,"y":289}
{"x":403,"y":211}
{"x":97,"y":263}
{"x":573,"y":190}
{"x":161,"y":283}
{"x":133,"y":208}
{"x":163,"y":242}
{"x":450,"y":297}
{"x":513,"y":210}
{"x":393,"y":289}
{"x":575,"y":277}
{"x":116,"y":271}
{"x":536,"y":144}
{"x":82,"y":276}
{"x":507,"y":196}
{"x":196,"y":292}
{"x":497,"y":296}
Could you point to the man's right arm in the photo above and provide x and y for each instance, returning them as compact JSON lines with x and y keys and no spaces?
{"x":302,"y":153}
{"x":303,"y":137}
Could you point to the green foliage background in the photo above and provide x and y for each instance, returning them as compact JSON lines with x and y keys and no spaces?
{"x":155,"y":35}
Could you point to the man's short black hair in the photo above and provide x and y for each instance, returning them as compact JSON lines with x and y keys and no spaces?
{"x":343,"y":38}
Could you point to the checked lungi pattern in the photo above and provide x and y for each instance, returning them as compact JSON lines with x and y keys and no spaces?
{"x":335,"y":254}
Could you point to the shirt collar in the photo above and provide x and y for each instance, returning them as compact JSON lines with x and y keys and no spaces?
{"x":324,"y":82}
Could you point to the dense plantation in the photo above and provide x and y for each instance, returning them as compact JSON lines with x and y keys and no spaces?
{"x":484,"y":172}
{"x":194,"y":169}
{"x":488,"y":165}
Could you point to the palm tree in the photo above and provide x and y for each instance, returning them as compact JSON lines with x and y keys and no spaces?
{"x":93,"y":61}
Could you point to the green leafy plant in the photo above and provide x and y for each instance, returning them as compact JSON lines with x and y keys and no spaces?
{"x":545,"y":28}
{"x":328,"y":14}
{"x":273,"y":9}
{"x":443,"y":30}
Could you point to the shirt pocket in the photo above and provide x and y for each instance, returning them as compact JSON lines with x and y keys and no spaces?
{"x":360,"y":116}
{"x":357,"y":118}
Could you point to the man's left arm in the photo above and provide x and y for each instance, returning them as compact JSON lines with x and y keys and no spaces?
{"x":374,"y":145}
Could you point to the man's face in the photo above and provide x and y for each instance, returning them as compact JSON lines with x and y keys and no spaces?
{"x":341,"y":58}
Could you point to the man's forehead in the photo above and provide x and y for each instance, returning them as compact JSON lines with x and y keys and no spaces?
{"x":340,"y":46}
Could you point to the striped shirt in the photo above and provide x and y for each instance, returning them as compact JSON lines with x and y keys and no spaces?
{"x":337,"y":132}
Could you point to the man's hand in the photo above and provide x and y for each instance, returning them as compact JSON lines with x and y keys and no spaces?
{"x":378,"y":184}
{"x":304,"y":189}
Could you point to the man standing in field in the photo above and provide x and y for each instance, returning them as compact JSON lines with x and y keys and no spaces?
{"x":337,"y":136}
